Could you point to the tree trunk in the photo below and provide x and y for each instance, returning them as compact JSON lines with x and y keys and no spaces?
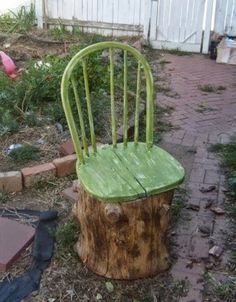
{"x":124,"y":240}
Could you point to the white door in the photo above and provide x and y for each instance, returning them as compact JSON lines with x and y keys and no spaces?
{"x":177,"y":24}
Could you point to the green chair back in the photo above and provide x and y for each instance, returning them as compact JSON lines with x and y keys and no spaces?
{"x":69,"y":80}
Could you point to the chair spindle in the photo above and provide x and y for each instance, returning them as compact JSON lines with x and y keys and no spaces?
{"x":88,"y":99}
{"x":81,"y":120}
{"x":113,"y":114}
{"x":125,"y":106}
{"x":137,"y":104}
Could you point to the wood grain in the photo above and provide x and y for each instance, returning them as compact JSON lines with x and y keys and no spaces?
{"x":124,"y":240}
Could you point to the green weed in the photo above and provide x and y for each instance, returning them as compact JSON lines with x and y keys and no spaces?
{"x":4,"y":197}
{"x":181,"y":288}
{"x":21,"y":21}
{"x":211,"y":88}
{"x":178,"y":52}
{"x":24,"y":154}
{"x":178,"y":204}
{"x":67,"y":234}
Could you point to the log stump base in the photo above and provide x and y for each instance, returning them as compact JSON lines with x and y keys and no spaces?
{"x":124,"y":240}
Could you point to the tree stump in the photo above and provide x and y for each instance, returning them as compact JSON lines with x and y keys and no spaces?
{"x":124,"y":240}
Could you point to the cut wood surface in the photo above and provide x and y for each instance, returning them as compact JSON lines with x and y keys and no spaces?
{"x":124,"y":240}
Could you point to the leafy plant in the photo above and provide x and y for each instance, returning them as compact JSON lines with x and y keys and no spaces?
{"x":4,"y":197}
{"x":24,"y":154}
{"x":67,"y":234}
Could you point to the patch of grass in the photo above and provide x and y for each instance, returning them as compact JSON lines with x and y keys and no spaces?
{"x":24,"y":154}
{"x":227,"y":152}
{"x":209,"y":88}
{"x":178,"y":52}
{"x":162,"y":88}
{"x":181,"y":288}
{"x":204,"y":108}
{"x":163,"y":63}
{"x":178,"y":204}
{"x":21,"y":21}
{"x":4,"y":197}
{"x":226,"y":291}
{"x":67,"y":234}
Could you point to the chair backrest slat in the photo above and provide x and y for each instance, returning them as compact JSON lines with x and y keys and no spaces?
{"x":125,"y":104}
{"x":137,"y":104}
{"x":69,"y":79}
{"x":70,"y":119}
{"x":81,"y":119}
{"x":113,"y":114}
{"x":88,"y":100}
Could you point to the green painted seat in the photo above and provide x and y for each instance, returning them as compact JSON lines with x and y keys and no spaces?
{"x":119,"y":171}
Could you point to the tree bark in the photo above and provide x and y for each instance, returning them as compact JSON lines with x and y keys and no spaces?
{"x":124,"y":240}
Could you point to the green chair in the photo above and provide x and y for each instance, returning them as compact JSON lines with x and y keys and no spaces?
{"x":118,"y":172}
{"x":126,"y":188}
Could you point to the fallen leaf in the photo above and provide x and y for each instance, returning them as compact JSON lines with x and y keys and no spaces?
{"x":98,"y":297}
{"x":217,"y":210}
{"x":192,"y":206}
{"x":109,"y":286}
{"x":207,"y":189}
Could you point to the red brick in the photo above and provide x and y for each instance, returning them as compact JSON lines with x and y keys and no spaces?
{"x":15,"y":237}
{"x":67,"y":148}
{"x":70,"y":195}
{"x":11,"y":181}
{"x":65,"y":165}
{"x":35,"y":174}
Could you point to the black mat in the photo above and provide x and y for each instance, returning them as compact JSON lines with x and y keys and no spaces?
{"x":18,"y":288}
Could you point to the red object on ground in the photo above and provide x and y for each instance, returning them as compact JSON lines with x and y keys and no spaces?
{"x":9,"y":66}
{"x":14,"y":238}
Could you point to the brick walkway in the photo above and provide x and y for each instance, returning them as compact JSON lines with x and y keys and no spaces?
{"x":202,"y":119}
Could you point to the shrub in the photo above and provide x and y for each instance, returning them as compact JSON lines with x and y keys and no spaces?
{"x":24,"y":154}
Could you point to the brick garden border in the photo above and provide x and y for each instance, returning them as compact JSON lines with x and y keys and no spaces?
{"x":15,"y":181}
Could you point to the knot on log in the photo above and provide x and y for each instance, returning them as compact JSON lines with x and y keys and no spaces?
{"x":113,"y":213}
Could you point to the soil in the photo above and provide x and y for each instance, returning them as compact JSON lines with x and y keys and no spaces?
{"x":46,"y":138}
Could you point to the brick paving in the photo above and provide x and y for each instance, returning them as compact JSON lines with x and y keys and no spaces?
{"x":200,"y":119}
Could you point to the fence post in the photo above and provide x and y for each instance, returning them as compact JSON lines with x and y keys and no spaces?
{"x":207,"y":32}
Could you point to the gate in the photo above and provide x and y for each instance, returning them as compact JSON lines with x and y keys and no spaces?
{"x":179,"y":24}
{"x":225,"y":18}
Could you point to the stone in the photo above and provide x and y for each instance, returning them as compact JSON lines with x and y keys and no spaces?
{"x":70,"y":195}
{"x":15,"y":237}
{"x":35,"y":174}
{"x":65,"y":165}
{"x":205,"y":230}
{"x":75,"y":185}
{"x":216,"y":251}
{"x":11,"y":181}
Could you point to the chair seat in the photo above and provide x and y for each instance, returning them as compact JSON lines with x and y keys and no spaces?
{"x":123,"y":174}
